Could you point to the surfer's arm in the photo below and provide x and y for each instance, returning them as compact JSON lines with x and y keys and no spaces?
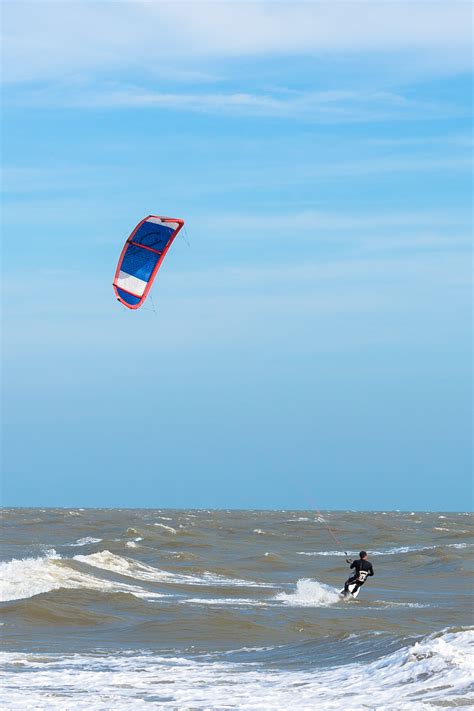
{"x":371,"y":570}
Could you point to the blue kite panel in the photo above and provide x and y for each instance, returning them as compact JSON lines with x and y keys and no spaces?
{"x":139,"y":262}
{"x":141,"y":257}
{"x":153,"y":235}
{"x":129,"y":298}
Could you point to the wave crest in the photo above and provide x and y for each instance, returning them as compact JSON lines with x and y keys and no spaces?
{"x":310,"y":593}
{"x":433,"y":672}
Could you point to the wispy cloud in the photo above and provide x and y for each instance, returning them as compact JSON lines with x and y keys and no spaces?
{"x":315,"y":106}
{"x":312,"y":219}
{"x":24,"y":186}
{"x":47,"y":39}
{"x":383,"y":284}
{"x":354,"y":234}
{"x":347,"y":232}
{"x":459,"y":140}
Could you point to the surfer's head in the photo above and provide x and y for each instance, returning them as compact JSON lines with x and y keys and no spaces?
{"x":363,"y":554}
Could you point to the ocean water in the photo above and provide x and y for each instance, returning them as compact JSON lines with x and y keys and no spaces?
{"x":192,"y":609}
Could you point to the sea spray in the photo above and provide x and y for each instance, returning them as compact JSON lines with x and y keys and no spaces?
{"x":433,"y":672}
{"x":310,"y":593}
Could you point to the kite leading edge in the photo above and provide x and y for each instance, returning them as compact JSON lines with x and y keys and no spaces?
{"x":141,"y":258}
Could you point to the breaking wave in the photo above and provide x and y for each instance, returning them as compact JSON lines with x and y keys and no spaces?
{"x":433,"y":672}
{"x":310,"y":593}
{"x":391,"y":551}
{"x":141,"y":571}
{"x":20,"y":579}
{"x":168,"y":529}
{"x":87,"y":541}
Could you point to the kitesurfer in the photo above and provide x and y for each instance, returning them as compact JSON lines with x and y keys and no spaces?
{"x":362,"y":570}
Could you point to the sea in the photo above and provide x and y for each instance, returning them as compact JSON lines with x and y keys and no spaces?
{"x":224,"y":609}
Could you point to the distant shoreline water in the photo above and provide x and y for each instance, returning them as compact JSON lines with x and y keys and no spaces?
{"x":228,"y":608}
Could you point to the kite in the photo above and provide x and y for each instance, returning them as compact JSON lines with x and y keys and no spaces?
{"x":141,"y":258}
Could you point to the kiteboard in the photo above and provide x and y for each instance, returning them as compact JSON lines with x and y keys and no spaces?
{"x":353,"y":591}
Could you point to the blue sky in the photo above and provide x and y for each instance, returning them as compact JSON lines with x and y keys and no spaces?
{"x":310,"y":344}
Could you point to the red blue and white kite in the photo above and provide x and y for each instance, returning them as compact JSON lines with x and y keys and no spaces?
{"x":141,"y":258}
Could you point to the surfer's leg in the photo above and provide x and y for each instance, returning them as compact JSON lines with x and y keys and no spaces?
{"x":348,"y":582}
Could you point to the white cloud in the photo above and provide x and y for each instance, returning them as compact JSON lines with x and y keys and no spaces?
{"x":354,"y":234}
{"x":245,"y":28}
{"x":275,"y":171}
{"x":48,"y":40}
{"x":313,"y":106}
{"x":317,"y":220}
{"x":252,"y":298}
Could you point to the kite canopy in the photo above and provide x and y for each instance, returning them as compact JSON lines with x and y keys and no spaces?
{"x":141,"y":258}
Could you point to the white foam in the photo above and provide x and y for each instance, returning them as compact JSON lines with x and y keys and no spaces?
{"x":324,"y":553}
{"x":386,"y":605}
{"x":303,"y":518}
{"x":105,"y":560}
{"x":431,"y":673}
{"x":133,"y":544}
{"x":310,"y":593}
{"x":21,"y":579}
{"x":141,"y":571}
{"x":87,"y":541}
{"x":389,"y":551}
{"x":238,"y":602}
{"x":170,"y":529}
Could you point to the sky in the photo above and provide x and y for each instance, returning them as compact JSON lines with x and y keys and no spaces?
{"x":308,"y":345}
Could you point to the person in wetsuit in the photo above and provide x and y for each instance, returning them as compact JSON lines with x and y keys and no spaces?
{"x":362,"y":570}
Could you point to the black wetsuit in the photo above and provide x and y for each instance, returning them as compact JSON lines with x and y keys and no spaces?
{"x":363,"y":569}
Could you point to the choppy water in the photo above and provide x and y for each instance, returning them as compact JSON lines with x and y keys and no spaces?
{"x":233,"y":609}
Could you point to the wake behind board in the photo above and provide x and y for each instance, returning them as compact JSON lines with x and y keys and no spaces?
{"x":353,"y":589}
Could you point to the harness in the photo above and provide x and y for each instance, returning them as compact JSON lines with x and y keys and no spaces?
{"x":361,"y":578}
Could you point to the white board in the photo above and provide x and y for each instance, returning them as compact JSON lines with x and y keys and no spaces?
{"x":352,"y":587}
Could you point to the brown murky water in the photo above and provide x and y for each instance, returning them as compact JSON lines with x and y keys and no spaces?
{"x":233,"y":609}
